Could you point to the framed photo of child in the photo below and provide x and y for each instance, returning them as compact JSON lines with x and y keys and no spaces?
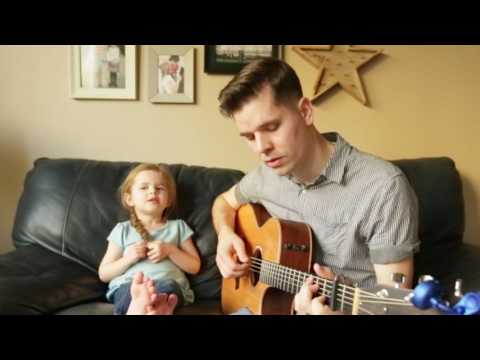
{"x":171,"y":74}
{"x":229,"y":59}
{"x":103,"y":72}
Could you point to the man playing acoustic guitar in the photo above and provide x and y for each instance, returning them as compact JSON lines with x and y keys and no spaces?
{"x":361,"y":209}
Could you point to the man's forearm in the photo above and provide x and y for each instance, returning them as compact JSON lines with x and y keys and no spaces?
{"x":405,"y":267}
{"x":223,"y":215}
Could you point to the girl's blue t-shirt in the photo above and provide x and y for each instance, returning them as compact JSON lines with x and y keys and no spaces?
{"x":173,"y":232}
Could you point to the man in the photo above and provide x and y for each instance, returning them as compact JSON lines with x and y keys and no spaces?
{"x":362,"y":210}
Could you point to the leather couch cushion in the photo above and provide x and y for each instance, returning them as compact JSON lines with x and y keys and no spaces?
{"x":35,"y":280}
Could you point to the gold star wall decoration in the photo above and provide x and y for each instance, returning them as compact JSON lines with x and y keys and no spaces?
{"x":338,"y":65}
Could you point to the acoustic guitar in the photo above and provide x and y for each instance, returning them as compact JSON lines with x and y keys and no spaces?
{"x":280,"y":261}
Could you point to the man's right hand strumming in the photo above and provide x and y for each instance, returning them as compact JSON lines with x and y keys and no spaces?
{"x":232,"y":258}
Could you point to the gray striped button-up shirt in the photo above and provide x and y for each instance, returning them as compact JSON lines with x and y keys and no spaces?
{"x":362,"y":210}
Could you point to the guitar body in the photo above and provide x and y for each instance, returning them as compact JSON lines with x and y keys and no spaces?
{"x":273,"y":240}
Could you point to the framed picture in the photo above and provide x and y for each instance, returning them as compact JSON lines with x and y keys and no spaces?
{"x":229,"y":59}
{"x":103,"y":71}
{"x":171,"y":74}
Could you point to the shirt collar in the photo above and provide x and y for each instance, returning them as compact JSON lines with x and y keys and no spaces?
{"x":335,"y":169}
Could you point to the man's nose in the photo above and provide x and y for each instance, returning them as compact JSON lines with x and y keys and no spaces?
{"x":263,"y":144}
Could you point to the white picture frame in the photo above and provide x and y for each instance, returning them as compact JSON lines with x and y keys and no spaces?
{"x":103,"y":72}
{"x":171,"y":74}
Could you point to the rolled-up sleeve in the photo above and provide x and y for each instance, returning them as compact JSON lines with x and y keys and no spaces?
{"x":393,"y":226}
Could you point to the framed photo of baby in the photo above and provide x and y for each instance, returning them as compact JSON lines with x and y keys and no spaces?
{"x":171,"y":74}
{"x":103,"y":72}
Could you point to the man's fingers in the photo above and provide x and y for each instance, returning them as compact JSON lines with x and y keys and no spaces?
{"x":299,"y":305}
{"x":313,"y":289}
{"x":227,"y":261}
{"x":321,"y":299}
{"x":305,"y":294}
{"x":303,"y":298}
{"x":311,"y":286}
{"x":239,"y":247}
{"x":324,"y":271}
{"x":228,"y":268}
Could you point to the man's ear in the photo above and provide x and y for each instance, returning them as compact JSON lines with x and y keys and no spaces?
{"x":306,"y":110}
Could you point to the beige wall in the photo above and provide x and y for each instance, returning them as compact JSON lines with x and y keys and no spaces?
{"x":424,"y":102}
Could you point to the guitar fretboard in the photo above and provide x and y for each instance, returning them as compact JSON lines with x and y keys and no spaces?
{"x":291,"y":281}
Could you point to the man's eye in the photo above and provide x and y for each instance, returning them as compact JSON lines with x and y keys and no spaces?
{"x":272,"y":127}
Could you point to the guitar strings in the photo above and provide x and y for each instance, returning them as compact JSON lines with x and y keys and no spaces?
{"x":347,"y":300}
{"x":297,"y":284}
{"x":326,"y":290}
{"x":258,"y":269}
{"x":325,"y":286}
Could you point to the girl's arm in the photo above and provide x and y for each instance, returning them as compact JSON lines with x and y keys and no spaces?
{"x":185,"y":257}
{"x":114,"y":263}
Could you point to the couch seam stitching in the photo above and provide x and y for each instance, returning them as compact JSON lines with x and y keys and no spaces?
{"x":67,"y":215}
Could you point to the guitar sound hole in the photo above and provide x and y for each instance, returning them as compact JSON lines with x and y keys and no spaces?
{"x":256,"y":261}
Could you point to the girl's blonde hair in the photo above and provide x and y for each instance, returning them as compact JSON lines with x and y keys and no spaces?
{"x":126,"y":188}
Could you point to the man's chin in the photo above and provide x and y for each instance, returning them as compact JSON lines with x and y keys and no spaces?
{"x":281,"y":171}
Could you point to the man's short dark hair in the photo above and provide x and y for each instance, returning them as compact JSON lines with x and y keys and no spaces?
{"x":282,"y":79}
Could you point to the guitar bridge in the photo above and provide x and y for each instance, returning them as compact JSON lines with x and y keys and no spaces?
{"x":296,"y":247}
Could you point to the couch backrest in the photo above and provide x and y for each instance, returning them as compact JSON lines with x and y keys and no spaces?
{"x":70,"y":206}
{"x":438,"y":186}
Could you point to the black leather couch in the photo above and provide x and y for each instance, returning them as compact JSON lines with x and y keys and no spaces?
{"x":69,"y":206}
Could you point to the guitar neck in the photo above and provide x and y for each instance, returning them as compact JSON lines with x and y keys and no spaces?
{"x":380,"y":300}
{"x":291,"y":281}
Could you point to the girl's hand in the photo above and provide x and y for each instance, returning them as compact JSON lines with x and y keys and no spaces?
{"x":157,"y":251}
{"x":136,"y":252}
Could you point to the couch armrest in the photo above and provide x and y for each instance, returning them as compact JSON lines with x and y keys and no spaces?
{"x":34,"y":280}
{"x":469,"y":267}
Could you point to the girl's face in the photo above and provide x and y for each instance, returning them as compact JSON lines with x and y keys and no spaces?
{"x":148,"y":194}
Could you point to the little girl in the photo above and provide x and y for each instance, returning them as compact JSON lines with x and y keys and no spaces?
{"x":149,"y":243}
